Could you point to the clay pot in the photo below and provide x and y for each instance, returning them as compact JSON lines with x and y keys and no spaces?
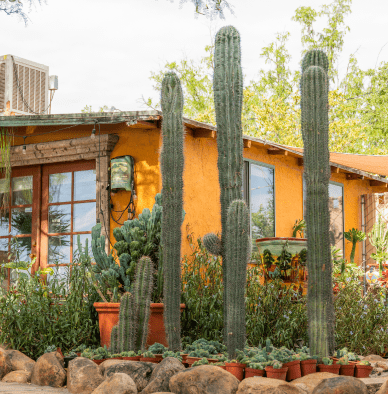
{"x":236,"y":369}
{"x":108,"y":317}
{"x":294,"y":371}
{"x":347,"y":370}
{"x":116,"y":358}
{"x":274,"y":373}
{"x":334,"y":368}
{"x":221,"y":366}
{"x":212,"y":360}
{"x":135,"y":358}
{"x":98,"y":362}
{"x":159,"y":357}
{"x":308,"y":366}
{"x":250,"y":372}
{"x":362,"y":371}
{"x":78,"y":354}
{"x":149,"y":359}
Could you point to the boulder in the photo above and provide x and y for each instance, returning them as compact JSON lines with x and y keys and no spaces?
{"x":260,"y":385}
{"x":309,"y":382}
{"x":384,"y":388}
{"x":161,"y":375}
{"x":373,"y":358}
{"x":83,"y":376}
{"x":382,"y":364}
{"x":204,"y":379}
{"x":48,"y":371}
{"x":341,"y":385}
{"x":20,"y":361}
{"x":139,"y":371}
{"x":17,"y":377}
{"x":118,"y":383}
{"x":5,"y":364}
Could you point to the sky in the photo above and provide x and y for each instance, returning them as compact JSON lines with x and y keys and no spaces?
{"x":103,"y":52}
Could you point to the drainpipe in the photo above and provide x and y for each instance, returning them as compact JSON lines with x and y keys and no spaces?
{"x":363,"y":229}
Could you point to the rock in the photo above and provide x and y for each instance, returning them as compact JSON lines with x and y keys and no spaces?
{"x":260,"y":385}
{"x":139,"y":371}
{"x":382,"y":364}
{"x":161,"y":375}
{"x":20,"y":361}
{"x":83,"y":376}
{"x":384,"y":388}
{"x":374,"y":358}
{"x":341,"y":385}
{"x":48,"y":371}
{"x":17,"y":377}
{"x":312,"y":380}
{"x":118,"y":383}
{"x":204,"y":379}
{"x":5,"y":364}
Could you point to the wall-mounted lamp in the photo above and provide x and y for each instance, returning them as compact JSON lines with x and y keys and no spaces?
{"x":24,"y":145}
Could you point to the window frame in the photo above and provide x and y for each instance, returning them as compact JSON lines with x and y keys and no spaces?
{"x":246,"y":187}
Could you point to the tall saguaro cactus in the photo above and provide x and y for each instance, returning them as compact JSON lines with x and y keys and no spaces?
{"x":237,"y":252}
{"x":315,"y":130}
{"x":228,"y":95}
{"x":172,"y":200}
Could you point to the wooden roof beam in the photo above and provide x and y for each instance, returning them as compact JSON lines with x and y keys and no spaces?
{"x":300,"y":161}
{"x":204,"y":133}
{"x":277,"y":151}
{"x":247,"y":143}
{"x":350,"y":177}
{"x":334,"y":170}
{"x":378,"y":183}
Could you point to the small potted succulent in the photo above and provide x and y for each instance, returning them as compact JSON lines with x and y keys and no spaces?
{"x":308,"y":364}
{"x":353,"y":358}
{"x":292,"y":361}
{"x":149,"y":357}
{"x":254,"y":369}
{"x":131,"y":355}
{"x":346,"y":368}
{"x":363,"y":369}
{"x":169,"y":353}
{"x":157,"y":349}
{"x":196,"y":355}
{"x":328,"y":366}
{"x":100,"y":354}
{"x":235,"y":368}
{"x":68,"y":357}
{"x":116,"y":356}
{"x":79,"y":349}
{"x":50,"y":349}
{"x":220,"y":364}
{"x":276,"y":370}
{"x":202,"y":361}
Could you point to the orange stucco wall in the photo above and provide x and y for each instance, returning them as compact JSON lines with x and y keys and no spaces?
{"x":201,"y":190}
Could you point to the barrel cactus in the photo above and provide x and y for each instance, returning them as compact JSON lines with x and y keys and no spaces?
{"x":315,"y":130}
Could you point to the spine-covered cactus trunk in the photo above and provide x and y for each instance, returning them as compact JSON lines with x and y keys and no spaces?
{"x":237,"y":248}
{"x":128,"y":323}
{"x":228,"y":94}
{"x":315,"y":130}
{"x":172,"y":201}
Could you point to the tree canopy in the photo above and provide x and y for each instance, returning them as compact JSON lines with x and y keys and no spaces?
{"x":16,"y":7}
{"x":210,"y":8}
{"x":358,"y":99}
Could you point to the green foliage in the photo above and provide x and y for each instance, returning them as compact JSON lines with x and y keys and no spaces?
{"x":148,"y":354}
{"x":35,"y":315}
{"x":51,"y":348}
{"x":131,"y":353}
{"x":277,"y":365}
{"x":353,"y":235}
{"x":171,"y":162}
{"x":298,"y":227}
{"x":172,"y":354}
{"x":157,"y":348}
{"x":364,"y":362}
{"x":315,"y":130}
{"x":327,"y":361}
{"x":268,"y":259}
{"x":202,"y":361}
{"x":343,"y":360}
{"x":378,"y":237}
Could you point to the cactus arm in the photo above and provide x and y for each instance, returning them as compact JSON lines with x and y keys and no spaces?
{"x":114,"y":343}
{"x":213,"y":244}
{"x":315,"y":127}
{"x":172,"y":161}
{"x":128,"y":323}
{"x":237,"y":251}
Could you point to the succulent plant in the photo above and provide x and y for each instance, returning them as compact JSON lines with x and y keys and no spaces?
{"x":202,"y":361}
{"x":364,"y":362}
{"x":327,"y":361}
{"x":148,"y":354}
{"x":343,"y":360}
{"x":131,"y":353}
{"x":157,"y":348}
{"x":172,"y":354}
{"x":277,"y":365}
{"x":70,"y":354}
{"x":256,"y":366}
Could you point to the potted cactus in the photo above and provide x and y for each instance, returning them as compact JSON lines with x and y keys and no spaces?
{"x":346,"y":368}
{"x":202,"y":361}
{"x":276,"y":370}
{"x":292,"y":361}
{"x":363,"y":369}
{"x":254,"y":369}
{"x":235,"y":368}
{"x":328,"y":366}
{"x":308,"y":364}
{"x":158,"y":349}
{"x":131,"y":355}
{"x":149,"y":357}
{"x":169,"y":353}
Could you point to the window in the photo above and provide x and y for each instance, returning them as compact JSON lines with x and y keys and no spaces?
{"x":258,"y":191}
{"x":50,"y":206}
{"x":336,"y":209}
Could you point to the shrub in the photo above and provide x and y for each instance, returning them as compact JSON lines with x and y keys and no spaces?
{"x":34,"y":315}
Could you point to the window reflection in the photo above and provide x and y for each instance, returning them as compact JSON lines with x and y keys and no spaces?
{"x":60,"y":187}
{"x":85,"y":185}
{"x":336,"y":215}
{"x":84,"y":216}
{"x":21,"y":221}
{"x":59,"y":218}
{"x":59,"y":249}
{"x":22,"y":190}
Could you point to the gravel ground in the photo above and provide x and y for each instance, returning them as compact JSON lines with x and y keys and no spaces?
{"x":11,"y":388}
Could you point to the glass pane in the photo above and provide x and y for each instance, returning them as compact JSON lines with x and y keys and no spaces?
{"x":21,"y":250}
{"x":4,"y":260}
{"x":336,"y":216}
{"x":60,"y":187}
{"x":21,"y":221}
{"x":59,"y":218}
{"x":84,"y":216}
{"x":85,"y":185}
{"x":59,"y":249}
{"x":262,"y":202}
{"x":60,"y":274}
{"x":83,"y":238}
{"x":22,"y":190}
{"x":4,"y":223}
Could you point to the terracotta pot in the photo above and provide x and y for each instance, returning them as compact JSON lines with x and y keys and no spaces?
{"x":221,"y":366}
{"x":347,"y":370}
{"x":334,"y":368}
{"x":98,"y":362}
{"x":294,"y":371}
{"x":251,"y":372}
{"x":108,"y":317}
{"x":236,"y":369}
{"x":191,"y":360}
{"x":116,"y":358}
{"x":149,"y":359}
{"x":59,"y":351}
{"x":212,"y":360}
{"x":78,"y":354}
{"x":274,"y":373}
{"x":335,"y":359}
{"x":184,"y":357}
{"x":159,"y":357}
{"x":135,"y":358}
{"x":308,"y":366}
{"x":362,"y":371}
